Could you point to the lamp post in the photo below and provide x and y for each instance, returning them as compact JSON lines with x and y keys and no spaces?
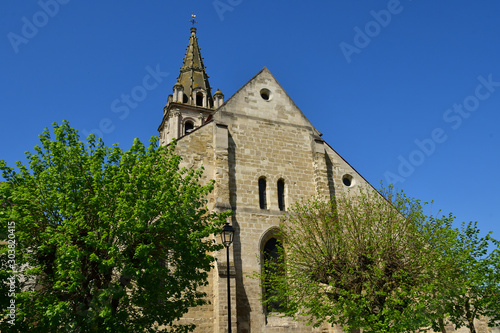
{"x":227,"y":238}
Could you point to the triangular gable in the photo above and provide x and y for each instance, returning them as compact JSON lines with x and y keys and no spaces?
{"x":263,"y":97}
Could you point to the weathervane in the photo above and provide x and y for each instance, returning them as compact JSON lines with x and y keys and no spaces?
{"x":192,"y":19}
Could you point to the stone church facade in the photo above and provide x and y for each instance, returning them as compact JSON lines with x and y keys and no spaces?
{"x":264,"y":155}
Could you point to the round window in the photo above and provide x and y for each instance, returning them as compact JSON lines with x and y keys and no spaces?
{"x":347,"y":180}
{"x":265,"y":94}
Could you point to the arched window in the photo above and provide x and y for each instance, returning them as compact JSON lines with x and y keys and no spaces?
{"x":262,"y":193}
{"x":199,"y":99}
{"x":188,"y":127}
{"x":281,"y":194}
{"x":184,"y":98}
{"x":271,"y":254}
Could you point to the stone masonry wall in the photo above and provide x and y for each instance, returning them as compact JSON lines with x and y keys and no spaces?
{"x":197,"y":150}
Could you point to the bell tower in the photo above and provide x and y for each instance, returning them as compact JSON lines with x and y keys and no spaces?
{"x":191,"y":102}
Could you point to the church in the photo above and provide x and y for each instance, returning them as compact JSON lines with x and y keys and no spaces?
{"x":264,"y":155}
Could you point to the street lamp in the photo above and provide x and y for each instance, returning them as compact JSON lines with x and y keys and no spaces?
{"x":227,"y":238}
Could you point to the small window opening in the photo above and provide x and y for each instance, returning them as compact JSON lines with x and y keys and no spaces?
{"x":199,"y":99}
{"x":188,"y":127}
{"x":272,"y":254}
{"x":262,"y":193}
{"x":347,"y":180}
{"x":265,"y":94}
{"x":184,"y":98}
{"x":281,"y":194}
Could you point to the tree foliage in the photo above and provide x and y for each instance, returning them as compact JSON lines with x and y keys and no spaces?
{"x":106,"y":240}
{"x":469,"y":285}
{"x":360,"y":261}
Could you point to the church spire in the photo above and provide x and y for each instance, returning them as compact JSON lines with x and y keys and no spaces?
{"x":192,"y":85}
{"x":192,"y":102}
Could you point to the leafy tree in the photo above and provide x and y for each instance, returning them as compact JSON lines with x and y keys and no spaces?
{"x":106,"y":240}
{"x":470,"y":285}
{"x":360,"y":261}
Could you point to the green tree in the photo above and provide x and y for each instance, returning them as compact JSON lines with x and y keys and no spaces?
{"x":106,"y":240}
{"x":470,"y":284}
{"x":361,"y":261}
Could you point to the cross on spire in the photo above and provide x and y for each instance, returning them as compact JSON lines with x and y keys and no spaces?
{"x":192,"y":20}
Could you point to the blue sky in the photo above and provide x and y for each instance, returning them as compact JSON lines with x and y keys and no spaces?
{"x":406,"y":91}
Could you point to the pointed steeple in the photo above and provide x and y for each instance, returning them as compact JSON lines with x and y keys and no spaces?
{"x":192,"y":102}
{"x":193,"y":78}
